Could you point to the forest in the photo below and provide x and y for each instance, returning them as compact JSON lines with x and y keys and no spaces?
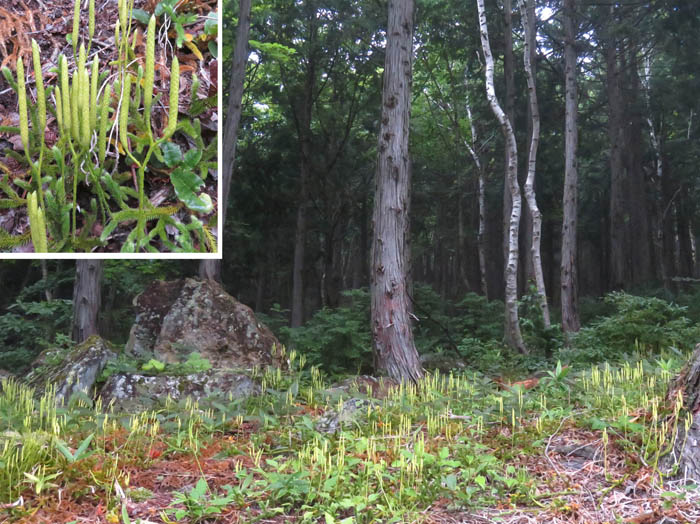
{"x":460,"y":284}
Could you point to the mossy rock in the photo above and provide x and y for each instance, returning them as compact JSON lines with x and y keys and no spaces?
{"x":71,"y":370}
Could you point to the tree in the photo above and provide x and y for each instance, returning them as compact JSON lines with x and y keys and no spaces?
{"x":394,"y":349}
{"x":87,"y":297}
{"x":211,"y":268}
{"x":570,"y":321}
{"x":528,"y":15}
{"x":513,"y":335}
{"x":684,"y":392}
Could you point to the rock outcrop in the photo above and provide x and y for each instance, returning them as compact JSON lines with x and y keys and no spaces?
{"x":71,"y":371}
{"x":129,"y":392}
{"x":185,"y":316}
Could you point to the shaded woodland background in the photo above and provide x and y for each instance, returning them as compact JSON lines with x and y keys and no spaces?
{"x":637,"y":154}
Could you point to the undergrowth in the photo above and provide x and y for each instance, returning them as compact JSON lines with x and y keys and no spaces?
{"x":457,"y":442}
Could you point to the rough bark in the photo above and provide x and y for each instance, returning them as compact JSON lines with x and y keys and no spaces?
{"x":530,"y":195}
{"x":303,"y":117}
{"x":86,"y":298}
{"x":512,"y":332}
{"x":394,"y":350}
{"x":211,"y":268}
{"x":684,"y":459}
{"x":570,"y":321}
{"x":618,"y":234}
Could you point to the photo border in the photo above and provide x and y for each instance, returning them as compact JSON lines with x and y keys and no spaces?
{"x":163,"y":256}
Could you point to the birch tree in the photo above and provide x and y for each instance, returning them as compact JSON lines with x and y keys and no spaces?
{"x":513,"y":335}
{"x":526,"y":12}
{"x":394,"y":349}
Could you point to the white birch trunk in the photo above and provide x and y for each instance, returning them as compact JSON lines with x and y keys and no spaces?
{"x":535,"y":214}
{"x":481,"y":234}
{"x":513,"y":335}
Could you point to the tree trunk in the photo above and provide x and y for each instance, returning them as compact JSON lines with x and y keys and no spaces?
{"x":304,"y":135}
{"x":481,"y":232}
{"x":86,"y":298}
{"x":211,"y":268}
{"x":394,"y":350}
{"x":619,"y":238}
{"x":45,"y":276}
{"x":570,"y":321}
{"x":509,"y":106}
{"x":535,"y":213}
{"x":684,"y":459}
{"x":512,"y":332}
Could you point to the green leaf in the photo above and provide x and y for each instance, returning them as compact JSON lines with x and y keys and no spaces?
{"x":141,"y":15}
{"x":450,"y":481}
{"x":186,"y":184}
{"x":199,"y":490}
{"x":213,"y":48}
{"x":211,"y":25}
{"x":481,"y":481}
{"x":172,"y":154}
{"x":192,"y":158}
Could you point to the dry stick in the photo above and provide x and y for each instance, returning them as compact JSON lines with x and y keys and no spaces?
{"x":549,"y":443}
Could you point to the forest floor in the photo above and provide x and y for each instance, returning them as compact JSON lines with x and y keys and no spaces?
{"x":50,"y":23}
{"x":574,"y":447}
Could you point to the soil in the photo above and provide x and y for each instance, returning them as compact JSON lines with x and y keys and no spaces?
{"x":48,"y":22}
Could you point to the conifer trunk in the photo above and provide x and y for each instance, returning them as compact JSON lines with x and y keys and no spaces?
{"x":87,"y":298}
{"x":394,"y":350}
{"x":569,"y":272}
{"x":211,"y":268}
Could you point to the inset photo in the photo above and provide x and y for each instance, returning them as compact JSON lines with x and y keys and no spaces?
{"x":109,"y":117}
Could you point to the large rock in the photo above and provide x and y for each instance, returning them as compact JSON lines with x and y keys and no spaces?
{"x":185,"y":316}
{"x":130,"y":392}
{"x":72,"y":370}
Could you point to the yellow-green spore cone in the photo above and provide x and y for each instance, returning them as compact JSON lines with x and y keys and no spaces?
{"x":65,"y":95}
{"x":150,"y":71}
{"x":59,"y":108}
{"x":174,"y":98}
{"x":22,"y":96}
{"x":37,"y":225}
{"x":94,"y":77}
{"x":40,"y":93}
{"x":91,"y":19}
{"x":74,"y":107}
{"x":76,"y":24}
{"x":85,"y":130}
{"x":104,"y":123}
{"x":124,"y":112}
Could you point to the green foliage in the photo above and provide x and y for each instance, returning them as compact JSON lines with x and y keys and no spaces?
{"x":336,"y":339}
{"x":28,"y":327}
{"x":200,"y":503}
{"x":639,"y":324}
{"x":538,"y":337}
